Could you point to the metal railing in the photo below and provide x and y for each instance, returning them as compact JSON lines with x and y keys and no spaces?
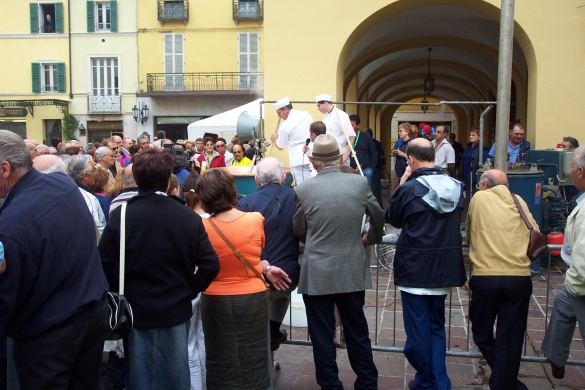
{"x":173,"y":11}
{"x":452,"y":330}
{"x":248,"y":10}
{"x":193,"y":82}
{"x":104,"y":104}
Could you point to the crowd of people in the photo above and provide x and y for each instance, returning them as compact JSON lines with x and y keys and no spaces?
{"x":209,"y":273}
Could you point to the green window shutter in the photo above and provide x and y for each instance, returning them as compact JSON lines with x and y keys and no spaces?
{"x":36,"y":77}
{"x":61,"y":76}
{"x":113,"y":16}
{"x":34,"y":18}
{"x":90,"y":20}
{"x":59,"y":17}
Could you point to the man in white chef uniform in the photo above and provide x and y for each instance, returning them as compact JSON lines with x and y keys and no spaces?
{"x":338,"y":124}
{"x":294,"y":131}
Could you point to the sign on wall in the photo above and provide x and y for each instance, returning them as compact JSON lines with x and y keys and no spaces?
{"x":13,"y":112}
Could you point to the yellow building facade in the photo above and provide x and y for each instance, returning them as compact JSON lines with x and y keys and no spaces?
{"x":187,"y":60}
{"x":83,"y":62}
{"x":197,"y":58}
{"x":377,"y":51}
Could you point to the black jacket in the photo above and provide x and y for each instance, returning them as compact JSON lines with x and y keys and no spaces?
{"x":277,"y":205}
{"x":164,"y":242}
{"x":365,"y":150}
{"x":428,"y":252}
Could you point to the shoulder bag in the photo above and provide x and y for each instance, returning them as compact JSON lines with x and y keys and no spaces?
{"x":239,"y":255}
{"x":537,"y":241}
{"x":121,"y":319}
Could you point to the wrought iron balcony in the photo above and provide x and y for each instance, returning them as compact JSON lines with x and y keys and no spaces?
{"x":194,"y":82}
{"x":248,"y":10}
{"x":104,"y":104}
{"x":173,"y":11}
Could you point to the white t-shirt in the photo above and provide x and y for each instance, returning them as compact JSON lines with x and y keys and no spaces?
{"x":444,"y":155}
{"x":335,"y":127}
{"x":294,"y":131}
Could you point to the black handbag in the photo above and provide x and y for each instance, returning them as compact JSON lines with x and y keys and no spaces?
{"x":121,"y":319}
{"x":537,"y":245}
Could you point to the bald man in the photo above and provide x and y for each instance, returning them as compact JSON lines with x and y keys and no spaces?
{"x":427,"y":206}
{"x":48,"y":164}
{"x":501,"y":284}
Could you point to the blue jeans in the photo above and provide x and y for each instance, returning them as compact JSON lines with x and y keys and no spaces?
{"x":156,"y":358}
{"x":368,"y":174}
{"x":425,"y":348}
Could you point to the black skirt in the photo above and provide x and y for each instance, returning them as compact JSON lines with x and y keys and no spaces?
{"x":236,"y":341}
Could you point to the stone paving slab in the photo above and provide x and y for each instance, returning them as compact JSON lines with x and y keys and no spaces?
{"x":298,"y":370}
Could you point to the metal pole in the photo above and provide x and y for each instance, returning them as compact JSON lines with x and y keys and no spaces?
{"x":504,"y":83}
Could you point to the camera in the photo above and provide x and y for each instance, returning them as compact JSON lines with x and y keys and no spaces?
{"x":182,"y":159}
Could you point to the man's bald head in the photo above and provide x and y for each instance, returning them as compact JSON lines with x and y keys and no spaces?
{"x":49,"y":163}
{"x":422,"y":150}
{"x":128,"y":177}
{"x":492,"y":178}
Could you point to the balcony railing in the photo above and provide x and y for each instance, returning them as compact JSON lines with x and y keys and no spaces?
{"x":248,"y":10}
{"x":104,"y":104}
{"x":194,"y":82}
{"x":173,"y":11}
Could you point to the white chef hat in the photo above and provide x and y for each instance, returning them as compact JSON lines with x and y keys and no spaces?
{"x":281,"y":103}
{"x":323,"y":98}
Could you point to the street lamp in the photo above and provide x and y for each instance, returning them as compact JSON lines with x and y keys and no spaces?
{"x":424,"y":105}
{"x":140,"y":113}
{"x":429,"y":82}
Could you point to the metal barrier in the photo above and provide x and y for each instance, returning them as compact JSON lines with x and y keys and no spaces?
{"x":467,"y":352}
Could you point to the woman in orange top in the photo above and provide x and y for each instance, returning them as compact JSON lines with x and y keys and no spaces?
{"x":235,"y":306}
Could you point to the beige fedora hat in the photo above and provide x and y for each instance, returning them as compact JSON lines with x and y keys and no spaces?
{"x":325,"y":147}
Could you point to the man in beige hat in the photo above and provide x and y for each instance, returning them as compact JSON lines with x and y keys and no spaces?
{"x":338,"y":124}
{"x":294,"y":131}
{"x":335,"y":267}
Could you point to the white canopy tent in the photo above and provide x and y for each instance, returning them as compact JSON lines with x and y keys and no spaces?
{"x":225,"y":124}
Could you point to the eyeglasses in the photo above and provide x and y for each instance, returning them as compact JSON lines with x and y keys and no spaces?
{"x":114,"y":149}
{"x":236,"y":152}
{"x":220,"y":146}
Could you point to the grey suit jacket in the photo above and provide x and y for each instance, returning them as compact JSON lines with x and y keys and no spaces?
{"x":328,"y":219}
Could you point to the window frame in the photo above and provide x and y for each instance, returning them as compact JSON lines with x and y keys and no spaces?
{"x":108,"y":15}
{"x":116,"y":82}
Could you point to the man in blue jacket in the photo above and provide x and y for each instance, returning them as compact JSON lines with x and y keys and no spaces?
{"x":428,"y":261}
{"x":53,"y":293}
{"x":277,"y":205}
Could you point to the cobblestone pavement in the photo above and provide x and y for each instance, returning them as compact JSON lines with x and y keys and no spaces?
{"x":298,"y":371}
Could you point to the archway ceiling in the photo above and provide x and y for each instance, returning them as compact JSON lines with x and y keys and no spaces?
{"x":392,"y":55}
{"x":440,"y":74}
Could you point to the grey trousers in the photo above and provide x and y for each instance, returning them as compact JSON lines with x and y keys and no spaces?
{"x":279,"y":301}
{"x":566,"y":312}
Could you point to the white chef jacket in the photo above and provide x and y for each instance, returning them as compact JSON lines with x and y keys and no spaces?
{"x":294,"y":131}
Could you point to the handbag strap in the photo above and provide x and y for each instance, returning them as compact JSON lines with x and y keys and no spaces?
{"x":528,"y":224}
{"x":122,"y":249}
{"x":238,"y":254}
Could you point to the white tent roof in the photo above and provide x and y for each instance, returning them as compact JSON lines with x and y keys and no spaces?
{"x":224,"y":124}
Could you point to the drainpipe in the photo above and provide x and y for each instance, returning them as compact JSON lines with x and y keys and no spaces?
{"x":481,"y":130}
{"x":504,"y":84}
{"x":70,"y":65}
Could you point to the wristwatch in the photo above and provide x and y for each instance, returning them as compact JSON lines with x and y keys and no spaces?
{"x":267,"y":269}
